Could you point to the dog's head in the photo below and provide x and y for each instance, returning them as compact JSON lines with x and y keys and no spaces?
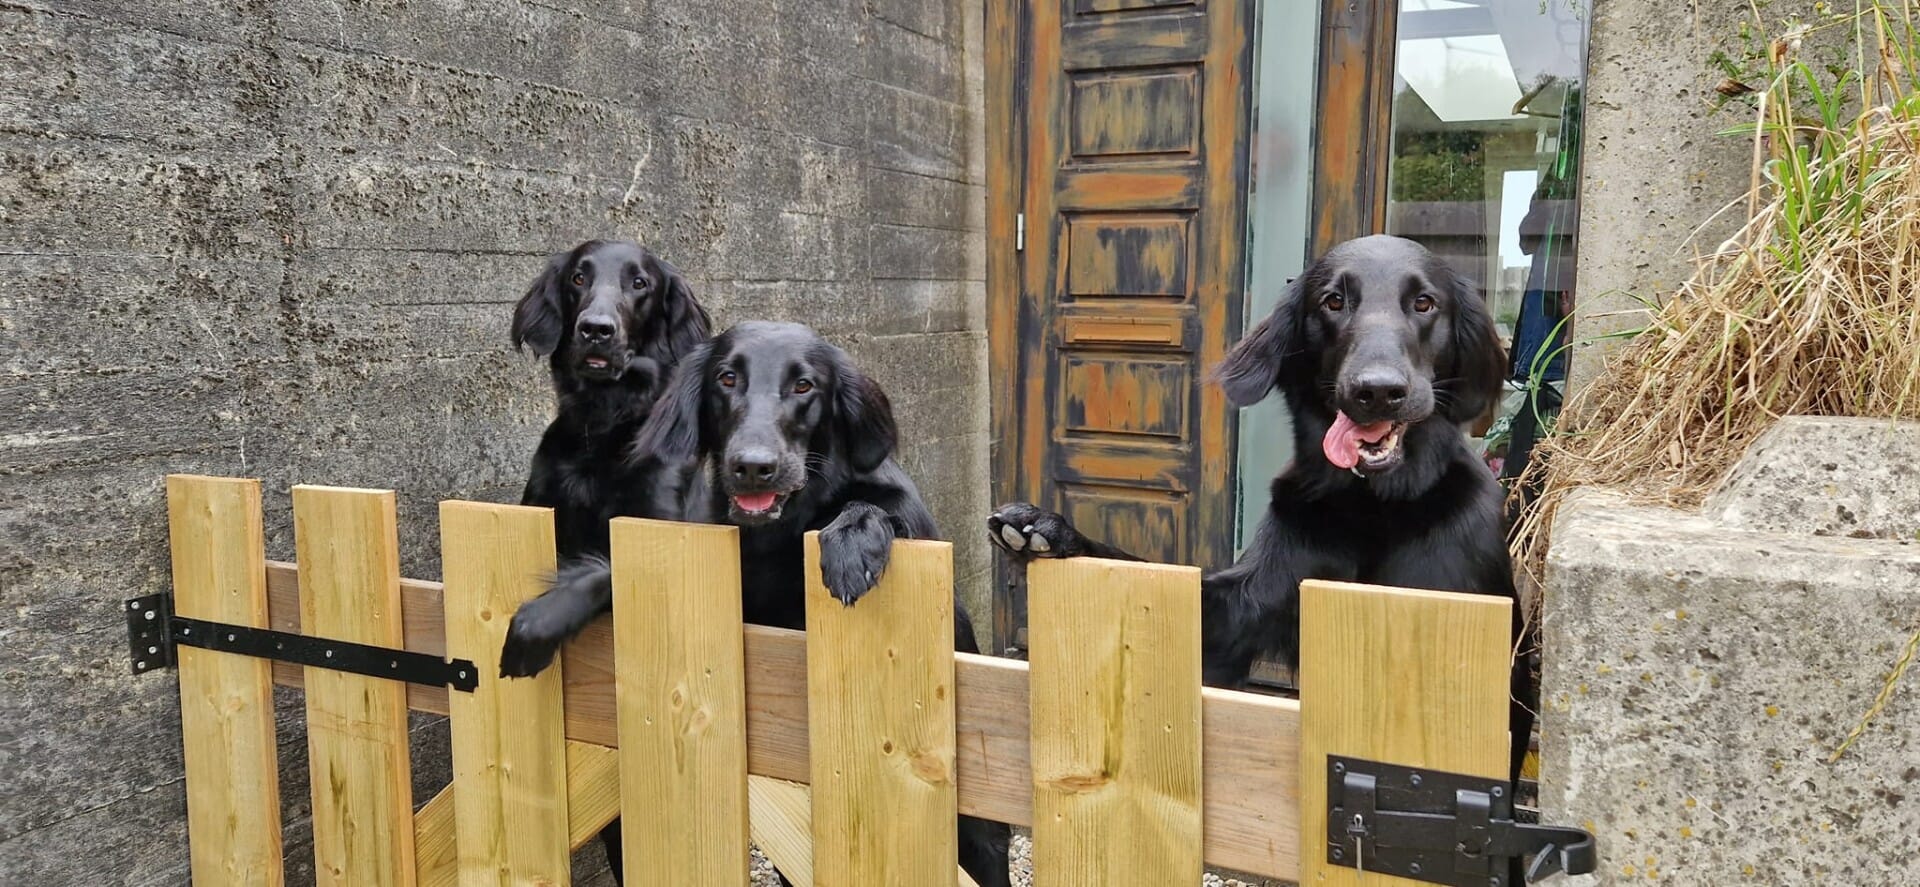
{"x":603,"y":303}
{"x":773,"y":408}
{"x":1377,"y":336}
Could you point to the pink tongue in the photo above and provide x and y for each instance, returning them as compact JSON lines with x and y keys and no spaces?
{"x":1342,"y":443}
{"x":755,"y":501}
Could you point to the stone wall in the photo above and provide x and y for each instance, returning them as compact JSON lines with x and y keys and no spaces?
{"x":282,"y":240}
{"x":1653,"y":169}
{"x":1702,"y":667}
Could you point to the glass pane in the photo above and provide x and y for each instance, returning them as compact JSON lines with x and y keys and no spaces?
{"x":1285,"y":66}
{"x":1485,"y":173}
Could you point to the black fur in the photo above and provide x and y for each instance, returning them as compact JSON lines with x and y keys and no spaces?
{"x":606,"y":379}
{"x":1410,"y":342}
{"x":771,"y":408}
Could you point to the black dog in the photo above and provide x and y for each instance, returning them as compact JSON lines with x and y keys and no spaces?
{"x":1382,"y":352}
{"x":614,"y":319}
{"x":793,"y":437}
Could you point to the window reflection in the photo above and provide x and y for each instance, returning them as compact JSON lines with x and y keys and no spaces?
{"x":1485,"y":173}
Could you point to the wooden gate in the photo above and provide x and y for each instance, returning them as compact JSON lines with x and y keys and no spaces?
{"x":845,"y":758}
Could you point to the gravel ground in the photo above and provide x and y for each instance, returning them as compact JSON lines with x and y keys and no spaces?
{"x":1022,"y":869}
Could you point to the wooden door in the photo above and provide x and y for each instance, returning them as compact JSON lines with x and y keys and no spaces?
{"x":1119,"y":160}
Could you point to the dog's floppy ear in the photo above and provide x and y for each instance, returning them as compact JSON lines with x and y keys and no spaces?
{"x":539,"y":320}
{"x":862,"y":415}
{"x":1478,"y":359}
{"x":688,"y":326}
{"x":1254,"y":365}
{"x":675,"y":430}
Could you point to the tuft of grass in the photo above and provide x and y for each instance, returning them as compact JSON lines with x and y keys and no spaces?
{"x":1811,"y":308}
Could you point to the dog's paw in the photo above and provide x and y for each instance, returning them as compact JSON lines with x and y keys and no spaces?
{"x":533,"y":639}
{"x":854,"y":551}
{"x":1025,"y":530}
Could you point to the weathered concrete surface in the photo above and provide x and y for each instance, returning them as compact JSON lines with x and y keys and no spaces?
{"x":1653,"y":168}
{"x":282,"y":240}
{"x":1701,"y":668}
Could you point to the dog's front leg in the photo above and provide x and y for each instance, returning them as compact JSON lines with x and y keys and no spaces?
{"x":1027,"y":531}
{"x":581,"y":591}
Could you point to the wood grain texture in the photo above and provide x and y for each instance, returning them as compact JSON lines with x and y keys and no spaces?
{"x":509,"y":734}
{"x":593,"y":800}
{"x":1352,"y":137}
{"x":226,"y":701}
{"x":1116,"y":723}
{"x":782,"y":816}
{"x":436,"y":855}
{"x":593,"y":790}
{"x":349,"y":555}
{"x":681,"y":689}
{"x":1250,"y":748}
{"x":1415,"y":678}
{"x":1004,"y":131}
{"x":880,"y":680}
{"x":1131,"y":158}
{"x":783,"y":828}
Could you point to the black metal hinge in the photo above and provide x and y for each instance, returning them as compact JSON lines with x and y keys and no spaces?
{"x":154,"y":632}
{"x":1439,"y":827}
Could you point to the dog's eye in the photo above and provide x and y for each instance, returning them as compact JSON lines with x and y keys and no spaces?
{"x":1333,"y":302}
{"x":1425,"y":303}
{"x":639,"y":283}
{"x":579,"y":279}
{"x":803,"y":386}
{"x":728,"y":379}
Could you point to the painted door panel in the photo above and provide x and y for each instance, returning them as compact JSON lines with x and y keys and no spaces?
{"x":1131,"y":142}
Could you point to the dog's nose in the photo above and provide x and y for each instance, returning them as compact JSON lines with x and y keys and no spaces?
{"x":753,"y":465}
{"x":1379,"y":388}
{"x":597,"y":330}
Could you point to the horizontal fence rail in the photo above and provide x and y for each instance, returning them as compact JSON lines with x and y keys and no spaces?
{"x":844,"y":753}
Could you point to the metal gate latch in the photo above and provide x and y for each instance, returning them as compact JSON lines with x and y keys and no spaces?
{"x":1439,"y":827}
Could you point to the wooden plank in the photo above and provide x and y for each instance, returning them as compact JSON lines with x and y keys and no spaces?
{"x":880,"y":678}
{"x":349,"y":554}
{"x":782,"y":814}
{"x":593,"y":800}
{"x":509,"y":735}
{"x":1250,"y":750}
{"x":436,"y":858}
{"x":1415,"y":678}
{"x":1116,"y":723}
{"x":681,"y":689}
{"x":226,"y":701}
{"x":593,"y":790}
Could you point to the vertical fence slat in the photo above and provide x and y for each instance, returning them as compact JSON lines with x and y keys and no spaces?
{"x":509,"y":735}
{"x":881,"y":723}
{"x":226,"y":701}
{"x":348,"y":549}
{"x":1115,"y":665}
{"x":1413,"y":678}
{"x":680,"y":679}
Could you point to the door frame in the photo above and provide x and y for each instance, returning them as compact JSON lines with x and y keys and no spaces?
{"x":1005,"y":41}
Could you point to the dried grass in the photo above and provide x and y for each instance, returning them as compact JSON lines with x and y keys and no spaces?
{"x":1811,"y":308}
{"x":1807,"y":310}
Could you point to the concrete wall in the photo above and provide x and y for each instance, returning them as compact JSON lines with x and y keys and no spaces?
{"x":1701,"y":668}
{"x":1653,"y":168}
{"x":282,"y":240}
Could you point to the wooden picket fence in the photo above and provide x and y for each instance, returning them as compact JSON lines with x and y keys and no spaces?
{"x":843,"y":752}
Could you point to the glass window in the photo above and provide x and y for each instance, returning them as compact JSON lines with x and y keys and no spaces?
{"x":1281,"y":153}
{"x":1485,"y":173}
